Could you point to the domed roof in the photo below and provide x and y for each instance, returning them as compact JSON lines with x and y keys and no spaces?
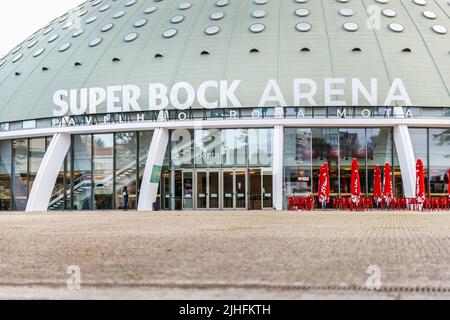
{"x":103,"y":43}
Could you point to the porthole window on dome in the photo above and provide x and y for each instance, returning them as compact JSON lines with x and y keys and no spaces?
{"x":16,"y":49}
{"x":351,"y":26}
{"x":389,"y":13}
{"x":91,"y":19}
{"x":346,"y":12}
{"x":150,"y":10}
{"x":217,"y":15}
{"x":184,"y":6}
{"x":169,"y":33}
{"x":257,"y":27}
{"x":130,"y":37}
{"x":47,"y":31}
{"x":53,"y":37}
{"x":82,"y":13}
{"x":119,"y":14}
{"x":177,"y":19}
{"x":222,"y":3}
{"x":429,"y":14}
{"x":94,"y":42}
{"x":439,"y":29}
{"x":259,"y":14}
{"x":130,"y":3}
{"x":396,"y":27}
{"x":65,"y":46}
{"x":77,"y":33}
{"x":302,"y":12}
{"x":140,"y":23}
{"x":303,"y":26}
{"x":17,"y":58}
{"x":420,"y":2}
{"x":107,"y":27}
{"x":104,"y":8}
{"x":32,"y":44}
{"x":2,"y":62}
{"x":38,"y":52}
{"x":260,"y":1}
{"x":212,"y":30}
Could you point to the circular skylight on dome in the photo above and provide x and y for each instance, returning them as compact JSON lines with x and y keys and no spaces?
{"x":429,"y":14}
{"x":439,"y":29}
{"x":94,"y":42}
{"x":130,"y":37}
{"x":184,"y":6}
{"x":303,"y":26}
{"x":420,"y":2}
{"x":259,"y":13}
{"x":2,"y":62}
{"x":53,"y":37}
{"x":16,"y":49}
{"x":38,"y":52}
{"x":32,"y":44}
{"x":140,"y":23}
{"x":389,"y":13}
{"x":47,"y":31}
{"x":119,"y":14}
{"x":107,"y":27}
{"x":222,"y":3}
{"x":150,"y":10}
{"x":169,"y":33}
{"x":257,"y":27}
{"x":77,"y":33}
{"x":82,"y":13}
{"x":212,"y":30}
{"x":346,"y":12}
{"x":130,"y":3}
{"x":396,"y":27}
{"x":217,"y":15}
{"x":104,"y":8}
{"x":91,"y":19}
{"x":260,"y":1}
{"x":302,"y":12}
{"x":65,"y":46}
{"x":351,"y":26}
{"x":177,"y":19}
{"x":17,"y":58}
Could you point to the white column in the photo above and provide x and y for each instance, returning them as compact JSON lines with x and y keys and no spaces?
{"x":44,"y":183}
{"x":277,"y":167}
{"x":406,"y":158}
{"x":152,"y":172}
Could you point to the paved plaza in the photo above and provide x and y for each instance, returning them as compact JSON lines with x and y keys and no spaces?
{"x":225,"y":255}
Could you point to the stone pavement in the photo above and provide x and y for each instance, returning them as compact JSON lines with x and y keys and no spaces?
{"x":226,"y":255}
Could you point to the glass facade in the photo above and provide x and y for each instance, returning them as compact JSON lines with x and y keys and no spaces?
{"x":213,"y":169}
{"x":305,"y":150}
{"x":432,"y":146}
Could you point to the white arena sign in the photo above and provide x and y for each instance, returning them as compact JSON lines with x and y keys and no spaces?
{"x":183,"y":95}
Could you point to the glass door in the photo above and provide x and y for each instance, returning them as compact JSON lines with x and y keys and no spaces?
{"x":228,"y":189}
{"x":202,"y":190}
{"x":240,"y":185}
{"x":188,"y":195}
{"x":266,"y":190}
{"x":213,"y":190}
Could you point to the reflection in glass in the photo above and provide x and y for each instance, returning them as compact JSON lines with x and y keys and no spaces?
{"x":439,"y":144}
{"x":352,"y":143}
{"x":379,"y":151}
{"x":325,"y":148}
{"x":103,"y":177}
{"x":5,"y":175}
{"x":234,"y":147}
{"x":20,"y":169}
{"x":207,"y":148}
{"x":126,"y":168}
{"x":82,"y":172}
{"x":36,"y":154}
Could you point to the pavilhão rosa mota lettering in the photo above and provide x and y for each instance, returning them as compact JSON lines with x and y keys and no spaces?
{"x":183,"y":95}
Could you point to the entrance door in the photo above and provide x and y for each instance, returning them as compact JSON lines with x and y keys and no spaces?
{"x":266,"y":190}
{"x":234,"y":189}
{"x":207,"y":192}
{"x":188,"y":194}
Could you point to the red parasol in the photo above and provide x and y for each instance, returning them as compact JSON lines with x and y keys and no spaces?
{"x":388,"y":193}
{"x":355,"y":182}
{"x":324,"y":184}
{"x":377,"y":196}
{"x":420,"y":182}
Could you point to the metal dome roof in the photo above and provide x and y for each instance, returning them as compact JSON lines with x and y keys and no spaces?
{"x":111,"y":42}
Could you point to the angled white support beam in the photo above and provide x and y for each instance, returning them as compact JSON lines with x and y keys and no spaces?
{"x":152,"y":172}
{"x":44,"y":183}
{"x":406,"y":158}
{"x":277,"y":167}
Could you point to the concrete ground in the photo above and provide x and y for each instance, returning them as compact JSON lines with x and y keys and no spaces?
{"x":225,"y":255}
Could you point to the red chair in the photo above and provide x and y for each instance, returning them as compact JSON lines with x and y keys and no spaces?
{"x":337,"y":203}
{"x":401,"y":203}
{"x":368,"y":203}
{"x":442,"y":203}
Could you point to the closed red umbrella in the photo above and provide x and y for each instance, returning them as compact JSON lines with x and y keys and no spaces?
{"x":324,"y":185}
{"x":377,"y":196}
{"x":355,"y":182}
{"x":388,"y":193}
{"x":420,"y":182}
